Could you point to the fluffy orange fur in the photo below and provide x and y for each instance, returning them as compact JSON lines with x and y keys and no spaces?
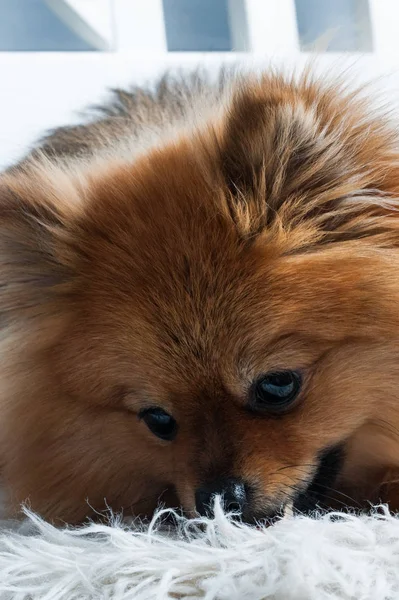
{"x":262,"y":236}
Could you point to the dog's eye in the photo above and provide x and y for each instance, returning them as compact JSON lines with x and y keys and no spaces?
{"x":275,"y":392}
{"x":159,"y":422}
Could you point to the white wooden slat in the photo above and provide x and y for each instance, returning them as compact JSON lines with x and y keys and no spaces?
{"x":238,"y":25}
{"x":91,"y":20}
{"x":271,"y":26}
{"x":384,"y":16}
{"x":140,"y":26}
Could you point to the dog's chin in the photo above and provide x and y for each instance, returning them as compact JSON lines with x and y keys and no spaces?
{"x":320,"y":493}
{"x":317,"y":494}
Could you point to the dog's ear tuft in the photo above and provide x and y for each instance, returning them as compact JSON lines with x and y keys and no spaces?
{"x":299,"y":154}
{"x":273,"y":147}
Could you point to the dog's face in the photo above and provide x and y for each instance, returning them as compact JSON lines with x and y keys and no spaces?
{"x":218,"y":317}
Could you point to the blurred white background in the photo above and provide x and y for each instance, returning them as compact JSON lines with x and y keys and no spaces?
{"x":58,"y":56}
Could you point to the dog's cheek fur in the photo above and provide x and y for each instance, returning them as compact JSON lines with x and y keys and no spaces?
{"x":69,"y":461}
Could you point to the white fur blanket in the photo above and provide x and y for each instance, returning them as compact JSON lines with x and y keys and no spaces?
{"x":300,"y":558}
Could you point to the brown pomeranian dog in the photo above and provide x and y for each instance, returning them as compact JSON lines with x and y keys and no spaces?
{"x":200,"y":295}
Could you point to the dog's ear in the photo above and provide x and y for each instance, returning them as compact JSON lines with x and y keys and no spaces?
{"x":37,"y":258}
{"x":296,"y":152}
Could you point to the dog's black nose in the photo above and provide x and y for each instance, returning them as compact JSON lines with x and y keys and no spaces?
{"x":232,"y":491}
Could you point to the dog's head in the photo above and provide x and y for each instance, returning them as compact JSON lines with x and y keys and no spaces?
{"x":219,"y":316}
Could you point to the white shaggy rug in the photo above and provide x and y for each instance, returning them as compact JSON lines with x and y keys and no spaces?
{"x":300,"y":558}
